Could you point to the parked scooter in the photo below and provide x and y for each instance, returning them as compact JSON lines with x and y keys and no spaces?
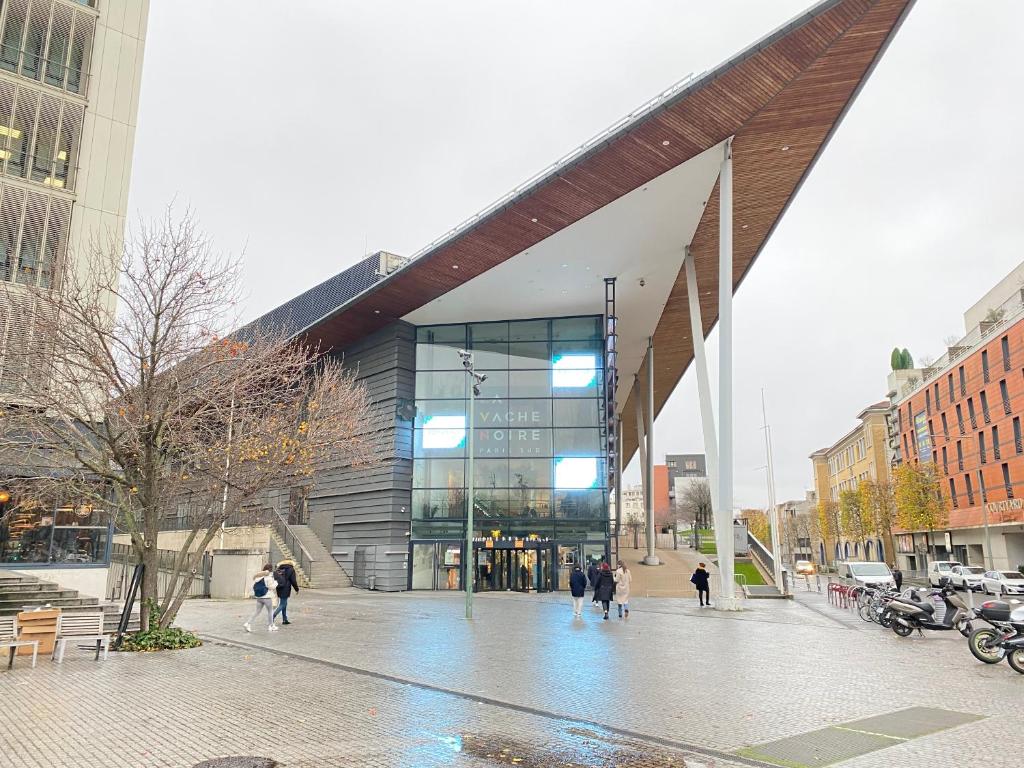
{"x":1004,"y":638}
{"x":909,"y":614}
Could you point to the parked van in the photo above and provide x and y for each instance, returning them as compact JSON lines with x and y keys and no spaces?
{"x":867,"y":574}
{"x":938,"y":569}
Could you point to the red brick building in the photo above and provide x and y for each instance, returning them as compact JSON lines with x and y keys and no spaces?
{"x":965,"y":413}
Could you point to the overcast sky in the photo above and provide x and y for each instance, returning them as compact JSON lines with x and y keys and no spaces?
{"x":311,"y":132}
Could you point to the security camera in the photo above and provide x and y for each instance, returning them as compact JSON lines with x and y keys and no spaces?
{"x":642,"y":282}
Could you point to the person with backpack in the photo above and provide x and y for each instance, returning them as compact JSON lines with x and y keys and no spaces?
{"x":263,"y":586}
{"x":605,"y":587}
{"x":286,"y":582}
{"x":578,"y":588}
{"x":700,"y":581}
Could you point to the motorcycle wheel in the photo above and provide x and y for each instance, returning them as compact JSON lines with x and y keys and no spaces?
{"x":1015,"y":659}
{"x":901,"y":630}
{"x":886,"y":618}
{"x":978,"y":643}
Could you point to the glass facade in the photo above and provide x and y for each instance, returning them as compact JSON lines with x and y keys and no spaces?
{"x":540,"y":463}
{"x":63,"y":536}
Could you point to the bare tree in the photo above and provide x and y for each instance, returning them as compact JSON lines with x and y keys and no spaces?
{"x":695,"y":505}
{"x":146,"y":402}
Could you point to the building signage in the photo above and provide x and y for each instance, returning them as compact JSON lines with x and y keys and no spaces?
{"x":504,"y":431}
{"x":924,"y":439}
{"x":1005,"y":506}
{"x":905,"y":543}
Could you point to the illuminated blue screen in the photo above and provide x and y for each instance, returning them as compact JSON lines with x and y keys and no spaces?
{"x":576,"y":473}
{"x":444,"y":432}
{"x":574,"y":371}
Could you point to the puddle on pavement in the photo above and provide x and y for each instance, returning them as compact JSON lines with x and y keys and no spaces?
{"x":575,"y":748}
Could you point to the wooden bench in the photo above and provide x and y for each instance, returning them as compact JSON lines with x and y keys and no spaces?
{"x":81,"y":626}
{"x":9,"y":639}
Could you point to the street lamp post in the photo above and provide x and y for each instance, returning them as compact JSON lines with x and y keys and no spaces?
{"x":475,"y":380}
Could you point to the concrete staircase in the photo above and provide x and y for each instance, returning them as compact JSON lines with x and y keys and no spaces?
{"x":326,"y":573}
{"x":19,"y":592}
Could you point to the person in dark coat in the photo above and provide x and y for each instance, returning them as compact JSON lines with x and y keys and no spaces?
{"x":605,"y":587}
{"x":286,"y":582}
{"x":592,"y":573}
{"x":700,"y":581}
{"x":897,"y":576}
{"x":578,"y":588}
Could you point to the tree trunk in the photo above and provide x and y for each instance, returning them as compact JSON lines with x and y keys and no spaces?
{"x":150,"y":560}
{"x":172,"y":604}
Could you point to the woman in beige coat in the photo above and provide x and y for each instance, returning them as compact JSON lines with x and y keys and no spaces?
{"x":623,"y":578}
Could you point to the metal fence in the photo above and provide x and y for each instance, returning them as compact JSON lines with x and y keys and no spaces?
{"x":122,"y":563}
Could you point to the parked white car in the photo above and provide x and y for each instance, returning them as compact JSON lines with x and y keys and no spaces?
{"x":966,"y":577}
{"x":1003,"y":583}
{"x":867,"y":574}
{"x":939,"y":569}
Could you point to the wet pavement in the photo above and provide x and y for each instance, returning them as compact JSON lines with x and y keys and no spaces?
{"x":366,"y":679}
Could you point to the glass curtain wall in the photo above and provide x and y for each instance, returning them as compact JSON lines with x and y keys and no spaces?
{"x":539,"y":442}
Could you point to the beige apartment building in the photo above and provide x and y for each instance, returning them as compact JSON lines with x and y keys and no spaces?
{"x":70,"y":73}
{"x":861,"y":454}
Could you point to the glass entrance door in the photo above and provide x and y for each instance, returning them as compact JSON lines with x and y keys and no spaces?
{"x":514,"y":570}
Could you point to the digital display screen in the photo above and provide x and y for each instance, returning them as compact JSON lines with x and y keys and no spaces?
{"x":573,"y":371}
{"x":576,"y":473}
{"x":444,"y":432}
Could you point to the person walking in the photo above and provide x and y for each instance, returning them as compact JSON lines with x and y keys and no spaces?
{"x":897,"y":576}
{"x":623,"y":578}
{"x":286,"y":582}
{"x":578,"y":588}
{"x":263,"y":586}
{"x":605,"y":588}
{"x":700,"y":581}
{"x":592,"y":573}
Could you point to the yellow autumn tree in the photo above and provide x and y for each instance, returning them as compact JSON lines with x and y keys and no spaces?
{"x":920,"y":500}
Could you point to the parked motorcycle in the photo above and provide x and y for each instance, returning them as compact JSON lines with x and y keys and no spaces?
{"x":908,"y":614}
{"x":1004,"y":638}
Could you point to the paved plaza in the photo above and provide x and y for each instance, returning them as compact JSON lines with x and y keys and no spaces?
{"x":367,"y":679}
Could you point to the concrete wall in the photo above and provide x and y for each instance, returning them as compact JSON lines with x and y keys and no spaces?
{"x":1000,"y":293}
{"x":233,"y":570}
{"x":362,"y":514}
{"x":90,"y":582}
{"x":242,"y":537}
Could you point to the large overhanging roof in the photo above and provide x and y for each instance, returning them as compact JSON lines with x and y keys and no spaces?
{"x":626,"y":204}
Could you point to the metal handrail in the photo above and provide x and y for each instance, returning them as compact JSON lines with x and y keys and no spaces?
{"x":282,"y":529}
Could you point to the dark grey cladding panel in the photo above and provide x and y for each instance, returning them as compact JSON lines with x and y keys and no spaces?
{"x":362,"y":513}
{"x":309,"y":307}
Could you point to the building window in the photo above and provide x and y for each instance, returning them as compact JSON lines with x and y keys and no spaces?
{"x":68,"y":535}
{"x":959,"y":455}
{"x":54,"y":50}
{"x":963,"y":382}
{"x":906,"y":447}
{"x":984,"y":408}
{"x":945,"y":427}
{"x":938,"y":403}
{"x":1018,"y":444}
{"x":952,"y":493}
{"x":1005,"y":344}
{"x":984,"y":366}
{"x":981,"y":447}
{"x":959,"y":418}
{"x":1006,"y":481}
{"x":995,"y":442}
{"x":1004,"y":393}
{"x":945,"y":463}
{"x":970,"y":490}
{"x":928,"y":402}
{"x":970,"y":413}
{"x":952,"y":394}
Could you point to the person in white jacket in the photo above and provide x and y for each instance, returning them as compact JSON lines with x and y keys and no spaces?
{"x":623,"y":578}
{"x":263,"y":586}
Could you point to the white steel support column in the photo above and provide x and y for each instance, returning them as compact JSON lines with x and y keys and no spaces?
{"x":700,"y":358}
{"x":650,"y":558}
{"x":723,"y":514}
{"x":641,"y":437}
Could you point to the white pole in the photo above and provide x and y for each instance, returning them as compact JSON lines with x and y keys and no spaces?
{"x":723,"y":519}
{"x":700,"y":357}
{"x":651,"y":558}
{"x":470,"y":568}
{"x":773,"y":507}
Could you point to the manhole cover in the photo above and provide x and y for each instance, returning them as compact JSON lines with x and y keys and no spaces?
{"x":238,"y":761}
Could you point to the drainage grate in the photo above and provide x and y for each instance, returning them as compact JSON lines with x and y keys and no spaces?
{"x":858,"y":737}
{"x":238,"y":761}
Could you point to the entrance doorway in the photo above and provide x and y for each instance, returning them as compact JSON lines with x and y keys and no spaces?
{"x":513,"y":570}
